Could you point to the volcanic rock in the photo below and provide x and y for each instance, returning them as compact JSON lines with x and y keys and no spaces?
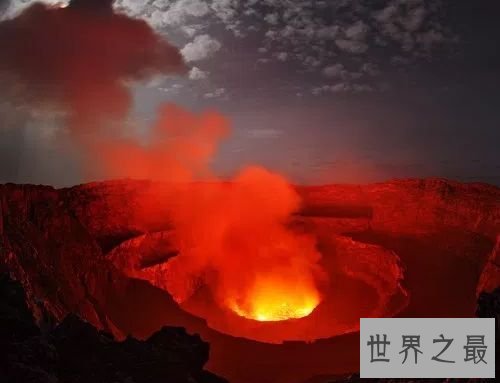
{"x":52,"y":254}
{"x":59,"y":245}
{"x":490,"y":276}
{"x":75,"y":351}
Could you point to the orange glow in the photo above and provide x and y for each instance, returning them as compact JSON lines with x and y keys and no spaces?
{"x":277,"y":299}
{"x":233,"y":237}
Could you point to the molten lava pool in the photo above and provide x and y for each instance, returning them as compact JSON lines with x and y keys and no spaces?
{"x":276,"y":299}
{"x":275,"y":310}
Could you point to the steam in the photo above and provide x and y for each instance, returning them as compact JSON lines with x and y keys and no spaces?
{"x":179,"y":149}
{"x":232,"y":236}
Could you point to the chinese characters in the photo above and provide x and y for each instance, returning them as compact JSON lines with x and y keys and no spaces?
{"x":475,"y":348}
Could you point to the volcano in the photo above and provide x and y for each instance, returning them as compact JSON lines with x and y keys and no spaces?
{"x":110,"y":253}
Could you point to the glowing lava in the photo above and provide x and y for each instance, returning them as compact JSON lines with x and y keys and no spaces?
{"x":273,"y":299}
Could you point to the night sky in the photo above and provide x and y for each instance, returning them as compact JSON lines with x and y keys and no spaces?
{"x":320,"y":91}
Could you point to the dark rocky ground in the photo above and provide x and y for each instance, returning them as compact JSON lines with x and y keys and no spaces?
{"x":76,"y":352}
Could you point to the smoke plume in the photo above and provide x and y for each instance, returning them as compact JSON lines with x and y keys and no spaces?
{"x":232,"y":236}
{"x":79,"y":58}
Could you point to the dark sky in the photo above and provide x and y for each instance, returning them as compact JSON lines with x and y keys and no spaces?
{"x":322,"y":91}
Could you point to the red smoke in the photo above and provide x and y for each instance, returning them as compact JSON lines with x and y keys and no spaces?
{"x":79,"y":57}
{"x":179,"y":148}
{"x":232,"y":237}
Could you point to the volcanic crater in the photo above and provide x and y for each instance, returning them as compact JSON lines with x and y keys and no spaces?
{"x":403,"y":248}
{"x":355,"y":286}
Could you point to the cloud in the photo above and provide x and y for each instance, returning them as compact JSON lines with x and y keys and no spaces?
{"x":342,"y":87}
{"x":202,"y":47}
{"x":282,"y":56}
{"x":334,"y":70}
{"x":80,"y":59}
{"x":178,"y":12}
{"x":328,"y":32}
{"x":357,"y":31}
{"x":197,"y":74}
{"x":155,"y":81}
{"x":413,"y":24}
{"x":313,"y":34}
{"x":387,"y":13}
{"x":351,"y":46}
{"x":311,"y":62}
{"x":219,"y":92}
{"x":272,"y":18}
{"x":192,"y":29}
{"x":38,"y":48}
{"x":10,"y":9}
{"x":226,"y":10}
{"x":135,"y":7}
{"x":415,"y":19}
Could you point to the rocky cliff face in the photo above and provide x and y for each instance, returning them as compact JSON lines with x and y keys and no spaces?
{"x":59,"y":263}
{"x":75,"y":351}
{"x":57,"y":243}
{"x":490,"y":275}
{"x":412,"y":206}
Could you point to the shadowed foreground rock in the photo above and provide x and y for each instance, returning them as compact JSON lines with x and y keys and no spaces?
{"x":75,"y":351}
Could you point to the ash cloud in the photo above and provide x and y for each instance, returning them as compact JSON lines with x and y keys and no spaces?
{"x":80,"y":59}
{"x":80,"y":56}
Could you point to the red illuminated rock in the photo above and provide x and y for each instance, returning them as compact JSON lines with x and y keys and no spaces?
{"x":490,"y":276}
{"x":60,"y":243}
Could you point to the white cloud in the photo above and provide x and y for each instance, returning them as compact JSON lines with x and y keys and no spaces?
{"x":14,"y":7}
{"x":357,"y":31}
{"x":197,"y":74}
{"x":351,"y":46}
{"x":282,"y":56}
{"x":202,"y":47}
{"x":342,"y":87}
{"x":179,"y":11}
{"x":134,"y":7}
{"x":219,"y":92}
{"x":334,"y":70}
{"x":296,"y":31}
{"x":156,"y":81}
{"x":225,"y":9}
{"x":192,"y":29}
{"x":312,"y":62}
{"x":272,"y":18}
